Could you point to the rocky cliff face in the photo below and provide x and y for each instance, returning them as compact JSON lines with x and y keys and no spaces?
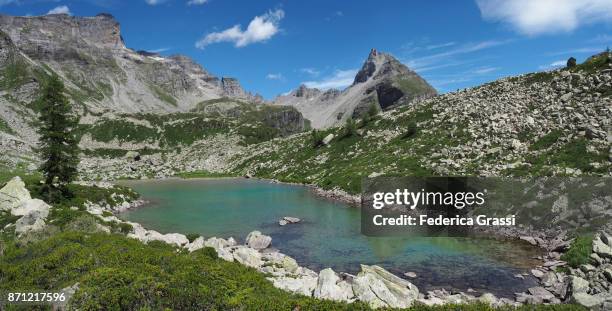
{"x":382,"y":81}
{"x":102,"y":76}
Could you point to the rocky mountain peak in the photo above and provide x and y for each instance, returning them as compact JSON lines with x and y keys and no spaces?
{"x":304,"y":91}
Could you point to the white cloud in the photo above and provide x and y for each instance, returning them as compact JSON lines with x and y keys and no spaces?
{"x":441,"y":45}
{"x":62,"y":9}
{"x":485,"y":70}
{"x":310,"y":71}
{"x":535,"y":17}
{"x":556,"y":64}
{"x":339,"y":80}
{"x":427,"y":62}
{"x":161,"y":50}
{"x":197,"y":2}
{"x":154,"y":2}
{"x":260,"y":29}
{"x":275,"y":76}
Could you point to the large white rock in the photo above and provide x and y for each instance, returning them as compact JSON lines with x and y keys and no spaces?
{"x":196,"y":244}
{"x":222,"y":247}
{"x":601,"y":248}
{"x":33,"y":221}
{"x":13,"y":194}
{"x":31,"y":205}
{"x":329,"y":286}
{"x":303,"y":285}
{"x":248,"y":257}
{"x":257,"y":240}
{"x":328,"y":139}
{"x":380,"y":288}
{"x":279,"y":263}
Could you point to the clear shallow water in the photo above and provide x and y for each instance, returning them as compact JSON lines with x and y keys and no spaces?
{"x":329,"y":234}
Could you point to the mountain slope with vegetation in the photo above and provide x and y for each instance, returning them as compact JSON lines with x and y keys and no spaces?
{"x":547,"y":123}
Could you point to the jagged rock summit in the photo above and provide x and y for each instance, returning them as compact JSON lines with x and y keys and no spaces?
{"x":382,"y":81}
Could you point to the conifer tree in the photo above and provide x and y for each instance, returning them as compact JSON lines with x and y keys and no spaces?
{"x":58,"y":146}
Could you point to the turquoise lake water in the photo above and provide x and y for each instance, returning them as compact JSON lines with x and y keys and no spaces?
{"x":329,"y":234}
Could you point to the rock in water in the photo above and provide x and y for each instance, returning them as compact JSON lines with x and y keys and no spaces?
{"x":288,"y":220}
{"x":258,"y":241}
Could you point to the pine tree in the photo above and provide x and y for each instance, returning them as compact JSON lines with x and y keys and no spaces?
{"x":58,"y":146}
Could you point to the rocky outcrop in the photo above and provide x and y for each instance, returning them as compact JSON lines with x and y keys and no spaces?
{"x":258,"y":241}
{"x":380,"y":288}
{"x":16,"y":200}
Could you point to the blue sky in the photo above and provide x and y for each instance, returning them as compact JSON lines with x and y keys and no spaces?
{"x":273,"y":46}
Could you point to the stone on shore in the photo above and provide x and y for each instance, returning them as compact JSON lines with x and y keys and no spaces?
{"x":257,"y":240}
{"x":196,"y":244}
{"x":248,"y":257}
{"x":329,"y":286}
{"x":381,"y":288}
{"x":303,"y":284}
{"x":222,"y":247}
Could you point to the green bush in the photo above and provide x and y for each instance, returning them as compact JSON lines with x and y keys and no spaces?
{"x":349,"y":129}
{"x":579,"y":252}
{"x":316,"y":138}
{"x":411,"y":130}
{"x":193,"y":236}
{"x":125,"y":228}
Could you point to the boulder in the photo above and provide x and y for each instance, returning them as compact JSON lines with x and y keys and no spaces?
{"x":13,"y":194}
{"x":30,"y":206}
{"x":488,"y":298}
{"x":288,"y":220}
{"x":330,"y":287}
{"x":601,"y":248}
{"x":541,"y":293}
{"x":222,"y":247}
{"x":196,"y":244}
{"x":248,"y":257}
{"x":302,"y":285}
{"x":381,"y":288}
{"x":257,"y":240}
{"x":33,"y":221}
{"x":579,"y":285}
{"x":328,"y":139}
{"x":589,"y":301}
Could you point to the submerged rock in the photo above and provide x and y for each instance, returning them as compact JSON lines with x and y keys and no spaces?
{"x":257,"y":240}
{"x":288,"y":220}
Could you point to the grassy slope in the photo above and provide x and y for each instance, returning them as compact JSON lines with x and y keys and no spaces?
{"x":117,"y":273}
{"x":387,"y":145}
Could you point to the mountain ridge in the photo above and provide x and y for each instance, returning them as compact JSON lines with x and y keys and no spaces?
{"x":382,"y":81}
